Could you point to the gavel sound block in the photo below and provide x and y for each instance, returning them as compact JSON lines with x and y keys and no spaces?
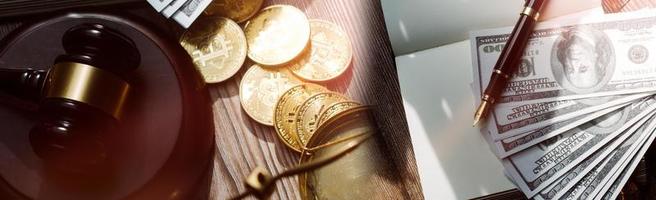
{"x":151,"y":141}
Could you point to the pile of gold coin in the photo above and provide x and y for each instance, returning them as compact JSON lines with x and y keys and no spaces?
{"x":360,"y":171}
{"x":301,"y":110}
{"x":291,"y":53}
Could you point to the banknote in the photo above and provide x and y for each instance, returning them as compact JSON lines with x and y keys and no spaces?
{"x":159,"y":4}
{"x":579,"y":178}
{"x":537,"y":167}
{"x":506,"y":147}
{"x":614,"y":184}
{"x":603,"y":173}
{"x":571,"y":164}
{"x":559,"y":127}
{"x":174,"y":6}
{"x":554,"y":190}
{"x":574,"y":59}
{"x":508,"y":121}
{"x":603,"y":181}
{"x":189,"y":11}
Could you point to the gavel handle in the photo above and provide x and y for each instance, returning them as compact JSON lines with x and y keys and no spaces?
{"x":22,"y":83}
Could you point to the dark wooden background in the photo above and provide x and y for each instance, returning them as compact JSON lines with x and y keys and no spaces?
{"x":241,"y":143}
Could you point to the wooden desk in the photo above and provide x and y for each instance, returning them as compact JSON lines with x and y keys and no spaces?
{"x":242,"y":144}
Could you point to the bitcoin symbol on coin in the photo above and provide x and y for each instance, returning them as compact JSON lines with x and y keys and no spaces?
{"x":328,"y":55}
{"x":260,"y":89}
{"x":217,"y":46}
{"x":214,"y":54}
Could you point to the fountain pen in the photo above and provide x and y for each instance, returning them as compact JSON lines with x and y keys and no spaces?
{"x":510,"y":56}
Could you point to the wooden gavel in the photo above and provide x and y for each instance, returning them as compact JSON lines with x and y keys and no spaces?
{"x":80,"y":97}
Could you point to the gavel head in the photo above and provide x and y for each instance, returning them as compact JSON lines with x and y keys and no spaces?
{"x":82,"y":99}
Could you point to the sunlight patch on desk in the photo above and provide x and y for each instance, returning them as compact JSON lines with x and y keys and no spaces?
{"x":483,"y":190}
{"x":404,"y":32}
{"x":447,"y":109}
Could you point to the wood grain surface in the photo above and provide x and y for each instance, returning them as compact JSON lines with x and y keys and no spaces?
{"x":243,"y":144}
{"x":613,"y":6}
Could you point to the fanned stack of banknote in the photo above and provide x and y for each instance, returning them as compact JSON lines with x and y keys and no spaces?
{"x":578,"y":115}
{"x":184,"y":12}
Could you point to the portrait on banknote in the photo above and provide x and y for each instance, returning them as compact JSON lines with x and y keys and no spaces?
{"x":582,"y":59}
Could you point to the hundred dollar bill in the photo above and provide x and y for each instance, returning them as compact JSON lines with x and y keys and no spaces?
{"x":601,"y":173}
{"x":506,"y":147}
{"x":573,"y":59}
{"x":189,"y":11}
{"x":613,"y":184}
{"x":174,"y":6}
{"x":507,"y":121}
{"x":564,"y":183}
{"x":611,"y":171}
{"x":158,"y":5}
{"x":575,"y":180}
{"x":616,"y":186}
{"x":537,"y":167}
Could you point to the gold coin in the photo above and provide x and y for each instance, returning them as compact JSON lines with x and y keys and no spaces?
{"x":308,"y":113}
{"x":328,"y":56}
{"x":284,"y":117}
{"x":260,"y":88}
{"x":336,"y":108}
{"x":238,"y":10}
{"x":277,"y":35}
{"x":217,"y":46}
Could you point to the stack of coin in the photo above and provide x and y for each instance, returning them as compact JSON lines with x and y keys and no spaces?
{"x":289,"y":51}
{"x":360,"y":173}
{"x":301,"y":109}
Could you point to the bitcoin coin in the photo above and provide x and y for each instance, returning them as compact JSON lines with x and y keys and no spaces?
{"x":217,"y":46}
{"x":238,"y":10}
{"x":277,"y":35}
{"x":308,"y":113}
{"x":336,"y":108}
{"x":260,"y":88}
{"x":328,"y":56}
{"x":284,"y":118}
